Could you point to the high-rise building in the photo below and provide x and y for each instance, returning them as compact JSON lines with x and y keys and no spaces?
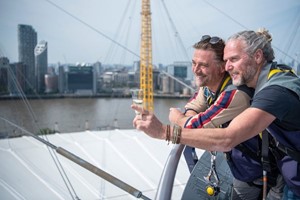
{"x":41,"y":65}
{"x":181,"y":71}
{"x":51,"y":83}
{"x":80,"y":79}
{"x":167,"y":86}
{"x":27,"y":40}
{"x":4,"y":64}
{"x":16,"y":79}
{"x":61,"y":79}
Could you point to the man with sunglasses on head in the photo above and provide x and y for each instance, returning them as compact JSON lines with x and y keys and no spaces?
{"x":275,"y":106}
{"x":214,"y":105}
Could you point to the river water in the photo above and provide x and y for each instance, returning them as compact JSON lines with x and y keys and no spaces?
{"x":75,"y":114}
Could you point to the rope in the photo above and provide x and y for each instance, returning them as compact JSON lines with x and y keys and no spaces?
{"x":91,"y":27}
{"x":108,"y":177}
{"x":52,"y":153}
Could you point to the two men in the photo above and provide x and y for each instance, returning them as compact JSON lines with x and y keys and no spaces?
{"x":217,"y":102}
{"x":276,"y":106}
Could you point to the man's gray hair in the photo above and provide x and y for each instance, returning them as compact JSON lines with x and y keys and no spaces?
{"x":260,"y":39}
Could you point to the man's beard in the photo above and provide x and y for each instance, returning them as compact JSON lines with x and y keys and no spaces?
{"x":201,"y":81}
{"x":245,"y":77}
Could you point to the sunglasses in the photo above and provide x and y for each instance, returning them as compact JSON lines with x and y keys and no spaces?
{"x":212,"y":40}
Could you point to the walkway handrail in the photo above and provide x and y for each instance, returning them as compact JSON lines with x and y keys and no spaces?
{"x":166,"y":182}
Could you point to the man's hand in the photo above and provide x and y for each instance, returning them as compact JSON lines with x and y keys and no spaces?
{"x":148,"y":123}
{"x":177,"y":117}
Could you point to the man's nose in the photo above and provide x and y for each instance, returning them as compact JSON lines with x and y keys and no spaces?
{"x":228,"y":66}
{"x":197,"y":69}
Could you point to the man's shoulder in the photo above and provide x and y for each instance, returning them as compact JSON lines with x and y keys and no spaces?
{"x":249,"y":91}
{"x":245,"y":89}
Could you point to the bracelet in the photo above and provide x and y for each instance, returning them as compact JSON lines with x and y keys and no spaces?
{"x":168,"y":134}
{"x":176,"y":134}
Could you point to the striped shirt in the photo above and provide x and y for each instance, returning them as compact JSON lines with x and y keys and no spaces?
{"x":228,"y":105}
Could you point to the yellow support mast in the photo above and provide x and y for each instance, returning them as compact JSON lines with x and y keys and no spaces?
{"x":146,"y":75}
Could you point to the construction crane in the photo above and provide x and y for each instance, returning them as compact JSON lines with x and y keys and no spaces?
{"x":146,"y":75}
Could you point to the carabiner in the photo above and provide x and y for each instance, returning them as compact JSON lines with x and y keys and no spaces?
{"x":213,"y":186}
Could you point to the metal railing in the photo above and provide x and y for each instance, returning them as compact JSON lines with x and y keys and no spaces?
{"x":166,"y":182}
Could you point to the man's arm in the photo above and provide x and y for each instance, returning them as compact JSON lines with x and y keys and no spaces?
{"x":227,"y":106}
{"x":196,"y":104}
{"x":245,"y":126}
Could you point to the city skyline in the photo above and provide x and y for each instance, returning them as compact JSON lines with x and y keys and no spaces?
{"x":84,"y":31}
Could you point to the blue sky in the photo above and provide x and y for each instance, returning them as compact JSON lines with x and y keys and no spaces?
{"x":81,"y":31}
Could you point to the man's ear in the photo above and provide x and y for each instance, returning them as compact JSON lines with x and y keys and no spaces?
{"x":222,"y":67}
{"x":259,"y":56}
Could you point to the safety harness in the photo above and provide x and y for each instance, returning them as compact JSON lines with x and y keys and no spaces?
{"x":189,"y":152}
{"x":212,"y":178}
{"x":276,"y":69}
{"x":268,"y":147}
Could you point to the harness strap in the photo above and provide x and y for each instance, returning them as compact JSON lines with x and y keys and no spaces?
{"x":275,"y":71}
{"x":225,"y":83}
{"x":226,"y":80}
{"x":280,"y":68}
{"x":289,"y":151}
{"x":191,"y":157}
{"x":249,"y":91}
{"x":265,"y":151}
{"x":242,"y":148}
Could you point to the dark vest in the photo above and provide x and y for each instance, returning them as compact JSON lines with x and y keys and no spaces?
{"x":287,"y":142}
{"x":244,"y":160}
